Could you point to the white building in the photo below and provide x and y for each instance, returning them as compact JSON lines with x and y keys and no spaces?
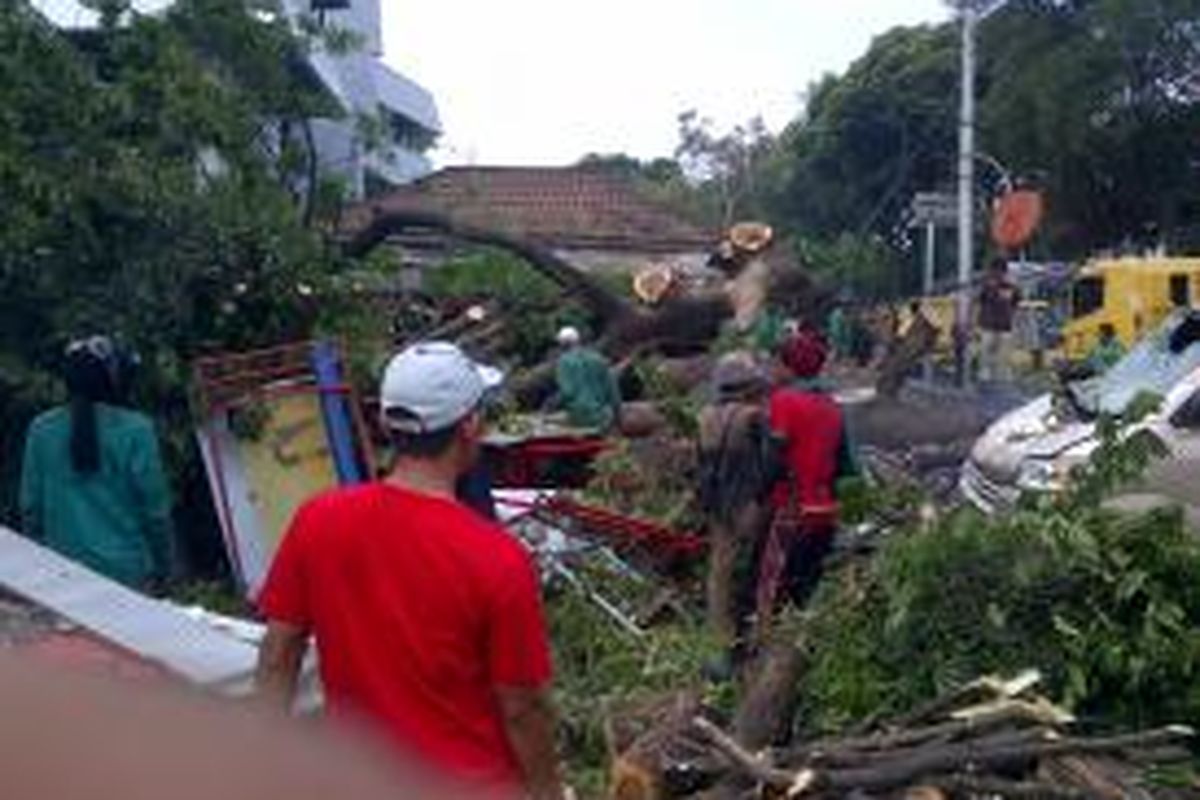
{"x":365,"y":85}
{"x":361,"y":82}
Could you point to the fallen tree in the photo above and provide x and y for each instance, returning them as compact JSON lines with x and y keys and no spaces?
{"x":605,"y":304}
{"x":1103,"y":603}
{"x":685,"y":325}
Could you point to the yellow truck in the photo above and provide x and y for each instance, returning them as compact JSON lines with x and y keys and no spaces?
{"x":1133,"y":295}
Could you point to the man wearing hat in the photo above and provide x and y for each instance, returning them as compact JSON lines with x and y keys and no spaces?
{"x":736,"y":471}
{"x":587,"y":390}
{"x":427,"y":618}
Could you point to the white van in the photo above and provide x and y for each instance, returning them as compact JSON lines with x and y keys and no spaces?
{"x":1035,"y":448}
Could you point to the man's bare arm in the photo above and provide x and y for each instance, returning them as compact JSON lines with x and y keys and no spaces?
{"x":529,"y":721}
{"x":279,"y":659}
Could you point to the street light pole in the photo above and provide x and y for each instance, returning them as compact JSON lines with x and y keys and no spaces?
{"x":966,"y":189}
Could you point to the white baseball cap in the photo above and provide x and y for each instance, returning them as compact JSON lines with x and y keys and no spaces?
{"x":433,"y":385}
{"x":568,"y":335}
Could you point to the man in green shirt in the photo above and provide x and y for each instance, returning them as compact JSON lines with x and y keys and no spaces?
{"x":587,"y":391}
{"x":92,"y":482}
{"x":768,"y":330}
{"x":1107,"y":352}
{"x":839,"y":332}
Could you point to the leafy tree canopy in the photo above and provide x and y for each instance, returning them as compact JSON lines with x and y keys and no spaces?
{"x":1096,"y":101}
{"x":150,"y":190}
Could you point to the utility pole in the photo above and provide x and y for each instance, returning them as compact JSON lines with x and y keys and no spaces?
{"x":966,"y":191}
{"x":927,"y":283}
{"x":929,"y":277}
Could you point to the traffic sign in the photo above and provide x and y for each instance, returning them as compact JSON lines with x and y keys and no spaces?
{"x":934,"y":208}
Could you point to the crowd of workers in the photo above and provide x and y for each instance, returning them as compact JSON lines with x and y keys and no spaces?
{"x":426,"y":614}
{"x":1003,"y":325}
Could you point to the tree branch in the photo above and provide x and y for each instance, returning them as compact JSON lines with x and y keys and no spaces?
{"x":752,"y":766}
{"x":313,"y":177}
{"x":908,"y":767}
{"x":606,"y":305}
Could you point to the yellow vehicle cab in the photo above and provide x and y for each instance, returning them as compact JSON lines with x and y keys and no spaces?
{"x":1133,"y":295}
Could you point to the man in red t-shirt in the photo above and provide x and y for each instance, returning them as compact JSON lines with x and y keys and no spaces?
{"x":818,"y":452}
{"x":427,"y":617}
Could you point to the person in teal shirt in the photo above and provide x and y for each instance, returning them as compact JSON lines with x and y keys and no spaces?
{"x":839,"y":332}
{"x":1107,"y":352}
{"x":768,"y":330}
{"x":92,"y":482}
{"x":587,"y":391}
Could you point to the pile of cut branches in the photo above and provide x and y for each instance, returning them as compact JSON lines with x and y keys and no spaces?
{"x":1105,"y":604}
{"x":609,"y":677}
{"x":990,"y":738}
{"x":652,"y":480}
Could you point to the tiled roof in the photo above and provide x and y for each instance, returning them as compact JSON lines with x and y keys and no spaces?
{"x":559,"y":207}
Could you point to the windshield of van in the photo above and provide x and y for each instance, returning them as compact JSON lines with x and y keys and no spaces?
{"x":1087,"y":296}
{"x":1154,"y":366}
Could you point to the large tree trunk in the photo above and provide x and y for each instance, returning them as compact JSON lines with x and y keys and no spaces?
{"x":681,"y":326}
{"x":765,"y":711}
{"x":606,"y":305}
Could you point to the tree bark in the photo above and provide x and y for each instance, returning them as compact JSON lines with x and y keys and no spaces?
{"x":909,"y":767}
{"x":768,"y":701}
{"x":606,"y":305}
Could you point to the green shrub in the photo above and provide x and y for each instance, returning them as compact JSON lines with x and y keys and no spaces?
{"x":1106,"y":605}
{"x":490,"y":273}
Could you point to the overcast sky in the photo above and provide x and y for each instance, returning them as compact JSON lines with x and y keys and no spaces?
{"x":547,"y":81}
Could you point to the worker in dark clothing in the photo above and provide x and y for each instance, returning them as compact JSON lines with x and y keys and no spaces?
{"x":862,"y":342}
{"x":998,"y":301}
{"x":737,"y":471}
{"x":474,"y":488}
{"x":818,"y":453}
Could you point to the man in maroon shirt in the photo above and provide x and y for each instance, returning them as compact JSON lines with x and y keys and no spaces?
{"x":998,"y":303}
{"x":427,"y":617}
